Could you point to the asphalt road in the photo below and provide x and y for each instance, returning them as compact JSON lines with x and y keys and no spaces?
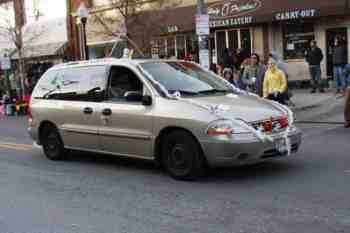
{"x":308,"y":192}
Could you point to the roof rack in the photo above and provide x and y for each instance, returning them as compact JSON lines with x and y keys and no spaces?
{"x":93,"y":61}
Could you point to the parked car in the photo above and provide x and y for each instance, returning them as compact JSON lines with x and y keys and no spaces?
{"x":172,"y":112}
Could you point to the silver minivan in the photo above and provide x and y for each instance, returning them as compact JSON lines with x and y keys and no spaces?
{"x":173,"y":112}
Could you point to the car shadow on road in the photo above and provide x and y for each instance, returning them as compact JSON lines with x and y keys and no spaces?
{"x":104,"y":160}
{"x":263,"y":171}
{"x":266,"y":171}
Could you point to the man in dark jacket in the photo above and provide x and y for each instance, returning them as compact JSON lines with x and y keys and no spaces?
{"x":339,"y":61}
{"x":314,"y":57}
{"x":347,"y":109}
{"x":228,"y":59}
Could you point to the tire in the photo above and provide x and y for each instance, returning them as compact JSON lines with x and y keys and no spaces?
{"x":52,"y":144}
{"x":182,"y":156}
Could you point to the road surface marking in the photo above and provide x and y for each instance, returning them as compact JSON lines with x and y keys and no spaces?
{"x":15,"y":146}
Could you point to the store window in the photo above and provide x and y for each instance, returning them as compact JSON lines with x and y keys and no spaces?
{"x":296,"y":39}
{"x":177,"y":46}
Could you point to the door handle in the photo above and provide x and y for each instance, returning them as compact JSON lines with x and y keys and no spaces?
{"x":88,"y":110}
{"x":106,"y":112}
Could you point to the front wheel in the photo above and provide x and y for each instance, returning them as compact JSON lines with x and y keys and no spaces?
{"x":182,"y":156}
{"x":52,"y":144}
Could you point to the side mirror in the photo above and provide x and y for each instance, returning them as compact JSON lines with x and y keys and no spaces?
{"x":133,"y":96}
{"x":147,"y":100}
{"x":96,"y":94}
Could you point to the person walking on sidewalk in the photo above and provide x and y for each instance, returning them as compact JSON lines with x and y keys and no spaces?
{"x":347,"y":108}
{"x":339,"y":61}
{"x":253,"y":74}
{"x":228,"y":59}
{"x":314,"y":57}
{"x":275,"y":83}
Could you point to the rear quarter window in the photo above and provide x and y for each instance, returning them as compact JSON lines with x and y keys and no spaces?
{"x":46,"y":83}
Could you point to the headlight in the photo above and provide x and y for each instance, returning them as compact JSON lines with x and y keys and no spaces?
{"x":225,"y":128}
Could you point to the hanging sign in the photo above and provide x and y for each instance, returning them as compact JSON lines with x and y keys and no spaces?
{"x":202,"y":25}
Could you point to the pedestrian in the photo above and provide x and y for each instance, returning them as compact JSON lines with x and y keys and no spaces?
{"x":314,"y":57}
{"x":347,"y":109}
{"x":228,"y":74}
{"x":233,"y":78}
{"x":253,"y":75}
{"x":281,"y":65}
{"x":238,"y":58}
{"x":339,"y":60}
{"x":228,"y":59}
{"x":347,"y":76}
{"x":275,"y":83}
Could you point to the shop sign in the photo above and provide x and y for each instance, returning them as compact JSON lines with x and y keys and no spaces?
{"x":232,"y":22}
{"x":232,"y":8}
{"x":297,"y":14}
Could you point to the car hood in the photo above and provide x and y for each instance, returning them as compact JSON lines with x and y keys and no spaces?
{"x":246,"y":107}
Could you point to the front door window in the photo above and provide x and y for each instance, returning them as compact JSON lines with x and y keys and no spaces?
{"x":122,"y":82}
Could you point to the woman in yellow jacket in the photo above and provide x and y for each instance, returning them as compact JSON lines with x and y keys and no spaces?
{"x":275,"y":83}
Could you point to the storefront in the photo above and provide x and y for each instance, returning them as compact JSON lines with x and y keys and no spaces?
{"x":259,"y":26}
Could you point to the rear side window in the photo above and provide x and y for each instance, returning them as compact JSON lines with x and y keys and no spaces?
{"x":46,"y":83}
{"x":74,"y":84}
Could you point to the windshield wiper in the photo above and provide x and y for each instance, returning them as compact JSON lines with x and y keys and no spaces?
{"x":48,"y":94}
{"x":183,"y":92}
{"x":214,"y":91}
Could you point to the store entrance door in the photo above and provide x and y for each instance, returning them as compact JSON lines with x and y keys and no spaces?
{"x":331,"y":34}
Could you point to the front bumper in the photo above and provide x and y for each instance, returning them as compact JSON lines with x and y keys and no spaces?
{"x":226,"y":153}
{"x":33,"y":131}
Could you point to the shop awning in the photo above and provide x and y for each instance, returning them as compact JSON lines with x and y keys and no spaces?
{"x":240,"y":12}
{"x":43,"y":50}
{"x":235,"y":13}
{"x":160,"y":22}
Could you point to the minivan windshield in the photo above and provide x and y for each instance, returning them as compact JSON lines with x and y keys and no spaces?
{"x":186,"y":78}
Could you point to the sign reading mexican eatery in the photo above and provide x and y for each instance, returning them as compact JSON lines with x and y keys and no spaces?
{"x":232,"y":8}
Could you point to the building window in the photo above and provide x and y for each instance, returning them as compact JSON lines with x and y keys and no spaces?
{"x":296,"y":39}
{"x":177,"y":46}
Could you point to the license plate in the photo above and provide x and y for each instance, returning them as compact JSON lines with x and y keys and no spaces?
{"x":281,"y":146}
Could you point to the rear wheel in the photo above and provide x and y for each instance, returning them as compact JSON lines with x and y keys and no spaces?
{"x":52,"y":143}
{"x":182,"y":156}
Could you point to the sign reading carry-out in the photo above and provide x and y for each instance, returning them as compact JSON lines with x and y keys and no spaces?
{"x":297,"y":14}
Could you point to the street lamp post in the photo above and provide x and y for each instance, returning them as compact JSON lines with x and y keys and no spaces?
{"x":83,"y":14}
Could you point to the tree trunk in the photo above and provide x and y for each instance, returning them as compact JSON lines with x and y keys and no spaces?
{"x":21,"y":73}
{"x":7,"y":82}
